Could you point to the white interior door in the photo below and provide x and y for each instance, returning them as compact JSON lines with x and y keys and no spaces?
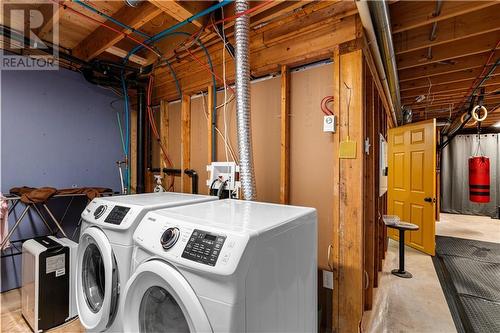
{"x":96,"y":281}
{"x":157,"y":298}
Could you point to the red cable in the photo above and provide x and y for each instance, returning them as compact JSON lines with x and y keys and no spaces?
{"x":106,"y":26}
{"x":324,"y":107}
{"x":208,"y":69}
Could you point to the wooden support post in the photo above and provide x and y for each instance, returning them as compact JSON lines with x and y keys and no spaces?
{"x":347,"y":251}
{"x":336,"y":195}
{"x":285,"y":136}
{"x":371,"y":172}
{"x":164,"y":141}
{"x":210,"y":106}
{"x":185,"y":142}
{"x":133,"y":151}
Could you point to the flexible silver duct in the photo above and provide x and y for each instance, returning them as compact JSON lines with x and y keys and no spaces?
{"x":241,"y":32}
{"x":132,"y":3}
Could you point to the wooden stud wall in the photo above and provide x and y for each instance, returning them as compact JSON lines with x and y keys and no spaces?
{"x":352,"y":253}
{"x":185,"y":143}
{"x":348,"y":189}
{"x":285,"y":136}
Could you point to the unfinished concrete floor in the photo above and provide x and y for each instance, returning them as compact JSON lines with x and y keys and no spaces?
{"x":418,"y":304}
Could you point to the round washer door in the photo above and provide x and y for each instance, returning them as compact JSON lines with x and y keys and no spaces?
{"x":159,"y":299}
{"x":96,"y":280}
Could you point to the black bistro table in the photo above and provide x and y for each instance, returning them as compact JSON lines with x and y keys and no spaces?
{"x":394,"y":222}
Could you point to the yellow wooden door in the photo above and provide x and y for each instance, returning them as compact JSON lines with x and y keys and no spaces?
{"x":412,"y":181}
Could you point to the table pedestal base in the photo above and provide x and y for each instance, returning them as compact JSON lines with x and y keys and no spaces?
{"x":402,"y":274}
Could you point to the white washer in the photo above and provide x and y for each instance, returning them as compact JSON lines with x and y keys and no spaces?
{"x":105,"y":252}
{"x":224,"y":266}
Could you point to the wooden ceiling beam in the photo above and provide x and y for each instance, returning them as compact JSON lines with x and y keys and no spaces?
{"x":406,"y":15}
{"x":451,"y":87}
{"x":44,"y":30}
{"x":267,"y":39}
{"x":305,"y":49}
{"x":102,"y":38}
{"x":446,"y":67}
{"x":467,"y":75}
{"x":448,"y":51}
{"x":452,"y":29}
{"x":489,"y":100}
{"x":122,"y":54}
{"x":182,"y":10}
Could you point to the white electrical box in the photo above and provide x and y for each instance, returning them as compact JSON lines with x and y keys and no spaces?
{"x":329,"y":123}
{"x":225,"y":174}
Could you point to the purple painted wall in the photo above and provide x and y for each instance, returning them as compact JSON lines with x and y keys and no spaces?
{"x":57,"y":130}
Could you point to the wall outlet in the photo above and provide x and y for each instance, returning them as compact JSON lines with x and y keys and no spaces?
{"x":329,"y":124}
{"x":328,"y":279}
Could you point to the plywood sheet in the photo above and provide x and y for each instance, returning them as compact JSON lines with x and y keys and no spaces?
{"x":265,"y":108}
{"x":311,"y":158}
{"x":199,"y":144}
{"x":174,"y":139}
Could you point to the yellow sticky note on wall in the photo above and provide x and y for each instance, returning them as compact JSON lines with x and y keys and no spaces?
{"x":347,"y":149}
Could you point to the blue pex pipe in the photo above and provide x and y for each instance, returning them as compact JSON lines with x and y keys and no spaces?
{"x":171,"y":31}
{"x":168,"y":31}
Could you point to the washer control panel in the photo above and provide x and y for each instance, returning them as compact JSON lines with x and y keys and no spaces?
{"x":117,"y":214}
{"x":204,"y":247}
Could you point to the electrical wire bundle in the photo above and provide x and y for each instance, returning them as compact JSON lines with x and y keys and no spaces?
{"x":324,"y":105}
{"x":193,"y":39}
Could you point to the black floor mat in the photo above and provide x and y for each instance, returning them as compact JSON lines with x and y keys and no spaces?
{"x":469,"y":272}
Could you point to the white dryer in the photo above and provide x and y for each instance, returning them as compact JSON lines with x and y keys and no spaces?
{"x":224,"y":266}
{"x":105,"y":252}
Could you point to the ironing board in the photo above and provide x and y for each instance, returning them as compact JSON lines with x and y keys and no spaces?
{"x":13,"y":200}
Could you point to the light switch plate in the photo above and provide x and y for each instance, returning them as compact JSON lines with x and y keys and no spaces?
{"x":328,"y":279}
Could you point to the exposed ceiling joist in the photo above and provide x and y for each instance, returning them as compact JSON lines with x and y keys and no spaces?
{"x":452,"y":29}
{"x":122,"y":54}
{"x":456,"y":49}
{"x":102,"y":38}
{"x":459,"y":86}
{"x":182,"y":10}
{"x":446,"y":67}
{"x":406,"y":15}
{"x":436,"y":106}
{"x":46,"y":29}
{"x":466,"y":75}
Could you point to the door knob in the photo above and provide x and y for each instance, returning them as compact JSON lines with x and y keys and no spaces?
{"x":428,"y":199}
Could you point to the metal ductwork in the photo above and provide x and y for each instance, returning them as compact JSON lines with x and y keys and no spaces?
{"x":132,"y":3}
{"x":382,"y":24}
{"x":242,"y":36}
{"x":366,"y":20}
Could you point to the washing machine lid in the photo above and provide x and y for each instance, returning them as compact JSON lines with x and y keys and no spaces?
{"x":97,"y":285}
{"x":158,"y":298}
{"x":155,"y":200}
{"x":124,"y":212}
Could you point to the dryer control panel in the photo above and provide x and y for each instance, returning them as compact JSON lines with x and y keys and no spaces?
{"x":203,"y":247}
{"x":191,"y":243}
